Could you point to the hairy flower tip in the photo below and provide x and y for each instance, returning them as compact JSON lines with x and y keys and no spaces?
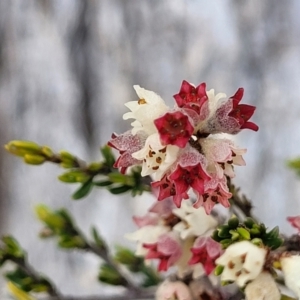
{"x":216,"y":191}
{"x":148,"y":219}
{"x":148,"y":234}
{"x":205,"y":251}
{"x":190,"y":172}
{"x":194,"y":222}
{"x":174,"y":129}
{"x":176,"y":290}
{"x":192,"y":97}
{"x":222,"y":154}
{"x":156,"y":157}
{"x":127,"y":144}
{"x":242,"y":261}
{"x":231,"y":117}
{"x":290,"y":266}
{"x":167,"y":189}
{"x":295,"y":222}
{"x":148,"y":108}
{"x":167,"y":249}
{"x":263,"y":287}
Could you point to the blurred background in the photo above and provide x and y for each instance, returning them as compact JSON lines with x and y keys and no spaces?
{"x":68,"y":66}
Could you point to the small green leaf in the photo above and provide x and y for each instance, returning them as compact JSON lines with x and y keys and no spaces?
{"x":70,"y":242}
{"x":102,"y":183}
{"x":34,"y":159}
{"x":110,"y":276}
{"x":108,"y":155}
{"x":84,"y":190}
{"x":218,"y":270}
{"x":74,"y":176}
{"x":233,"y":222}
{"x":127,"y":257}
{"x":47,"y":151}
{"x":224,"y":231}
{"x":119,"y":190}
{"x":50,"y":218}
{"x":244,"y":233}
{"x":12,"y":247}
{"x":97,"y":238}
{"x":249,"y":222}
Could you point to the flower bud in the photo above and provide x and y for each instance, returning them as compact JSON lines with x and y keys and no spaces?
{"x":290,"y":266}
{"x":173,"y":291}
{"x":262,"y":288}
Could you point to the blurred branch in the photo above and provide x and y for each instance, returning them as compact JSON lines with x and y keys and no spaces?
{"x":240,"y":201}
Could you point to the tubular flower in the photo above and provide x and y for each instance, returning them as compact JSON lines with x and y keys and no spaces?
{"x":192,"y":97}
{"x":231,"y":117}
{"x":242,"y":261}
{"x":167,"y":249}
{"x":205,"y":251}
{"x":156,"y":158}
{"x":295,"y":222}
{"x":167,"y":189}
{"x":242,"y":112}
{"x":148,"y":108}
{"x":194,"y":222}
{"x":148,"y":234}
{"x":126,"y":144}
{"x":216,"y":191}
{"x":174,"y":129}
{"x":176,"y":290}
{"x":179,"y":147}
{"x":290,"y":266}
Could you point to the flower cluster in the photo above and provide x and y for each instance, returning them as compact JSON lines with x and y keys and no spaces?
{"x":181,"y":147}
{"x":177,"y":237}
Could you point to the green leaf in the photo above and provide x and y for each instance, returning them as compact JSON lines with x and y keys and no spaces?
{"x":224,"y":231}
{"x":20,"y":148}
{"x":118,"y":178}
{"x":108,"y":155}
{"x":12,"y":247}
{"x":218,"y":270}
{"x":50,"y":218}
{"x":110,"y":276}
{"x":102,"y":183}
{"x":70,"y":242}
{"x":244,"y":233}
{"x":84,"y":190}
{"x":74,"y":176}
{"x":119,"y":190}
{"x":249,"y":222}
{"x":233,"y":222}
{"x":97,"y":238}
{"x":127,"y":257}
{"x":34,"y":159}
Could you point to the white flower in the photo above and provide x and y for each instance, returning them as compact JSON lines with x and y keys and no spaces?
{"x":156,"y":158}
{"x":214,"y":100}
{"x":149,"y":107}
{"x":242,"y":262}
{"x":290,"y":266}
{"x":195,"y":221}
{"x":146,"y":235}
{"x":262,"y":288}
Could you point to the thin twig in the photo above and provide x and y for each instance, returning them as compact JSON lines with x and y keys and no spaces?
{"x":29,"y":270}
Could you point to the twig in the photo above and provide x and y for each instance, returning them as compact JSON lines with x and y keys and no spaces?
{"x":23,"y":264}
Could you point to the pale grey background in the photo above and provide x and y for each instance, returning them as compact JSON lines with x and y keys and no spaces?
{"x":68,"y":66}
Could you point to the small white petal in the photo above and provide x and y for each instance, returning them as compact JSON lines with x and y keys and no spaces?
{"x":242,"y":262}
{"x":291,"y":269}
{"x":262,"y":288}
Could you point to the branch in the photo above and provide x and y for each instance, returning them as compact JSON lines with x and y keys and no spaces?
{"x":29,"y":270}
